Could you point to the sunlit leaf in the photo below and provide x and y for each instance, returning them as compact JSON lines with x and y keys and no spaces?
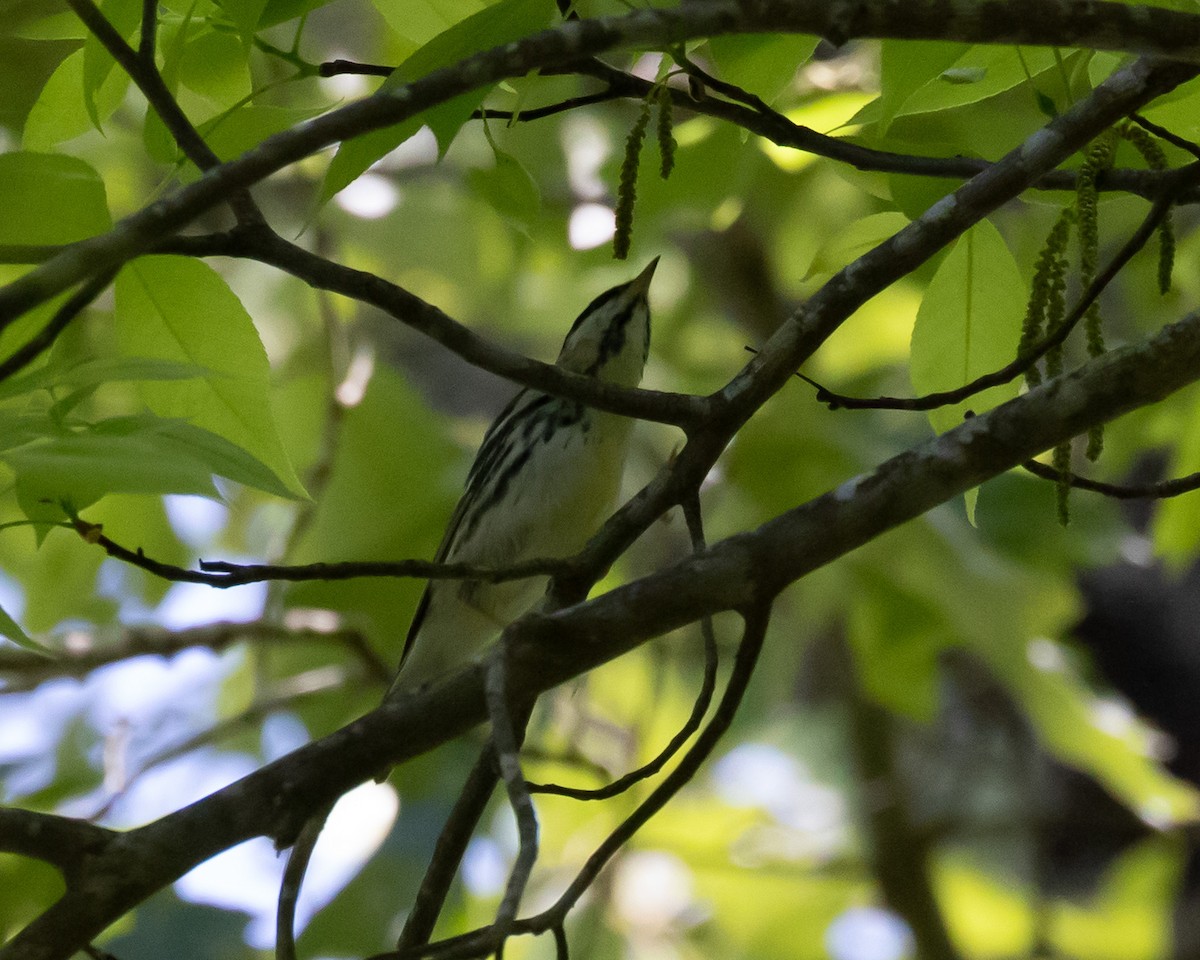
{"x":181,"y":310}
{"x":50,"y":198}
{"x":968,"y":324}
{"x":98,"y":63}
{"x":501,"y":23}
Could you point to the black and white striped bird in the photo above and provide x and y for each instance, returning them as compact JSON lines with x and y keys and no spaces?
{"x":547,"y":474}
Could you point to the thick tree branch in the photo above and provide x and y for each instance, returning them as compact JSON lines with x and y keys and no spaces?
{"x":1159,"y":211}
{"x":1102,"y":26}
{"x":547,"y":649}
{"x":798,"y":338}
{"x":62,"y":841}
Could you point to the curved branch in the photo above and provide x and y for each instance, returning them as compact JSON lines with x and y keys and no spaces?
{"x":219,"y":574}
{"x":490,"y":939}
{"x":1025,"y":359}
{"x":259,"y":243}
{"x":78,"y":660}
{"x":1163,"y":490}
{"x":695,"y":522}
{"x":547,"y":649}
{"x":1099,"y":25}
{"x":41,"y":341}
{"x":63,"y":842}
{"x":140,"y":66}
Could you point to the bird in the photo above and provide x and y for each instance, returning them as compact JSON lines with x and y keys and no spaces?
{"x":546,"y":475}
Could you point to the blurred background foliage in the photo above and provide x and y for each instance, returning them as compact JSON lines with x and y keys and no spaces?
{"x":1019,"y":692}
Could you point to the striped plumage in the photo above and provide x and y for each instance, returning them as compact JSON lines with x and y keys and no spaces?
{"x":546,"y":475}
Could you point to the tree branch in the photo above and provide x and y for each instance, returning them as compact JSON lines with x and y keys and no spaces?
{"x":80,"y":658}
{"x":61,"y":841}
{"x":140,"y":66}
{"x":1100,"y":25}
{"x":1181,"y":178}
{"x":547,"y":649}
{"x":222,"y":575}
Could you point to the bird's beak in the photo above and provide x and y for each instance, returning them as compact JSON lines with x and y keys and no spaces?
{"x":640,"y":285}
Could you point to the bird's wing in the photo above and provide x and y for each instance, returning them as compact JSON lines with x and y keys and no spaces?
{"x":440,"y":557}
{"x":490,"y":439}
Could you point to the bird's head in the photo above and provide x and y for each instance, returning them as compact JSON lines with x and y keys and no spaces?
{"x":611,"y":338}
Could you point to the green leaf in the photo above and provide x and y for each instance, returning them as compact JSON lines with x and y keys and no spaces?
{"x":509,"y":188}
{"x":31,"y":23}
{"x":96,"y":372}
{"x":124,"y":15}
{"x":968,"y":324}
{"x":60,"y":113}
{"x":497,"y":25}
{"x":280,"y":11}
{"x":981,"y":72}
{"x":222,"y":457}
{"x":905,"y":67}
{"x":118,"y":456}
{"x":246,"y":126}
{"x":12,"y":630}
{"x":141,"y":454}
{"x":246,"y":14}
{"x":418,"y":21}
{"x":853,"y":241}
{"x":763,"y":65}
{"x":178,"y":309}
{"x":24,"y":426}
{"x":214,"y":65}
{"x":50,"y":198}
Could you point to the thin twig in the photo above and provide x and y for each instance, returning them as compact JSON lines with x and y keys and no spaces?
{"x":691,"y":510}
{"x":222,"y":575}
{"x":485,"y":940}
{"x":335,"y":68}
{"x":143,"y":72}
{"x":41,"y":341}
{"x":508,"y":761}
{"x":550,"y":110}
{"x":83,"y":655}
{"x":1162,"y":490}
{"x":292,"y":880}
{"x":1026,"y":358}
{"x":1164,"y":134}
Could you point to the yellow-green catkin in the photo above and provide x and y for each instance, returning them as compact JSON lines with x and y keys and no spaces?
{"x":627,"y":187}
{"x":666,"y":133}
{"x":1152,"y":152}
{"x":1047,"y":299}
{"x":1098,"y":158}
{"x":1062,"y":463}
